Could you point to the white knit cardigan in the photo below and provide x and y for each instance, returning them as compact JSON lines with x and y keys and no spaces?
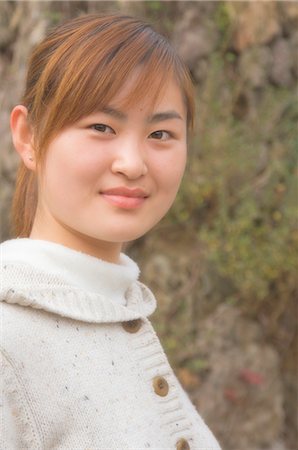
{"x":82,"y":368}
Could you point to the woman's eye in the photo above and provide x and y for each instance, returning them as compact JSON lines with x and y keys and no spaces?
{"x":160,"y":135}
{"x":102,"y":128}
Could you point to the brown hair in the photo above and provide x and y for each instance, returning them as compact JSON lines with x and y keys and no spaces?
{"x":77,"y":69}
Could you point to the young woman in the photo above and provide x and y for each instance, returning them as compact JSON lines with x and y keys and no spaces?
{"x":102,"y":136}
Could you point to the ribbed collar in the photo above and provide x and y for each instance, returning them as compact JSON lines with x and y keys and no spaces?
{"x":78,"y":285}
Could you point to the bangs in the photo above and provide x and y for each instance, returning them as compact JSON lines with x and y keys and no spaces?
{"x":99,"y":84}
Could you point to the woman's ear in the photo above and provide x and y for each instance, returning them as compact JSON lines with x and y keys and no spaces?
{"x":22,"y":136}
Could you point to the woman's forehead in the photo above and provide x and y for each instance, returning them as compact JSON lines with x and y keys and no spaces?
{"x":160,"y":96}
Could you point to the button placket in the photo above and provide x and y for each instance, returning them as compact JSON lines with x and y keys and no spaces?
{"x":160,"y":384}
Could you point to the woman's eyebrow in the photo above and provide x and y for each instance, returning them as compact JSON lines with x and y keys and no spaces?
{"x":166,"y":115}
{"x":157,"y":117}
{"x":114,"y":113}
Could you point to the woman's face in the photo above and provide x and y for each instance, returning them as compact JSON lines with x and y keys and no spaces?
{"x":110,"y":177}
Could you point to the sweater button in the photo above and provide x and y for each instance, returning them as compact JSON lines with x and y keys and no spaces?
{"x":132,"y":326}
{"x":160,"y":386}
{"x":182,"y":444}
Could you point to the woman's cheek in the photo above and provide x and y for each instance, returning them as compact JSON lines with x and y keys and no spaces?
{"x":88,"y":167}
{"x":175,"y":168}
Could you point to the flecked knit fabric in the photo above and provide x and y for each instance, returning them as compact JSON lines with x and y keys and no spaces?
{"x":74,"y":375}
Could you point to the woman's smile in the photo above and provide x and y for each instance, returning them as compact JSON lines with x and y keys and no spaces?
{"x":126,"y":198}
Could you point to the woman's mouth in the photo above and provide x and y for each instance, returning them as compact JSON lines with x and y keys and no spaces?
{"x":124,"y":197}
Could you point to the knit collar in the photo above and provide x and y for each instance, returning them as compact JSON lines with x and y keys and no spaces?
{"x":76,"y":268}
{"x":53,"y":277}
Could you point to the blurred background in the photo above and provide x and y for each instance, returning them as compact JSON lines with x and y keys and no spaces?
{"x":223,"y":263}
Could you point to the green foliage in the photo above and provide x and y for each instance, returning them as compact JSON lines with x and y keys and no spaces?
{"x":240,"y":190}
{"x":154,"y":6}
{"x":222,"y":17}
{"x":198,"y":365}
{"x":54,"y":17}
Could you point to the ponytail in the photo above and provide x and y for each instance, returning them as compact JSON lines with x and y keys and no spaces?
{"x":24,"y":202}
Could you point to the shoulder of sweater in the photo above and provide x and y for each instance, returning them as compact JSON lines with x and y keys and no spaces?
{"x":27,"y":286}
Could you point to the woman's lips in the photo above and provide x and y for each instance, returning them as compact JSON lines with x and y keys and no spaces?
{"x":124,"y":197}
{"x":124,"y":202}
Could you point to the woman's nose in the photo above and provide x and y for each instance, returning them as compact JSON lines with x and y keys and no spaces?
{"x":129,"y":161}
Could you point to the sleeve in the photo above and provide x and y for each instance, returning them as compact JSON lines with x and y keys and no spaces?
{"x":17,"y":429}
{"x":8,"y":431}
